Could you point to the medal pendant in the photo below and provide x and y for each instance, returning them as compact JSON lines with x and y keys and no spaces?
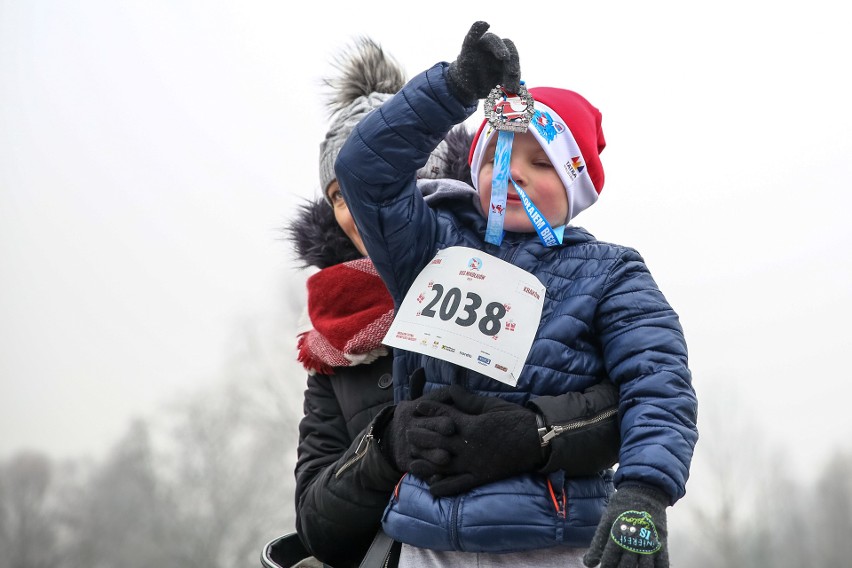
{"x":507,"y":111}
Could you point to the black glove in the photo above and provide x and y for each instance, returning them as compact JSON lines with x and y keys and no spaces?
{"x":632,"y":532}
{"x":471,"y":440}
{"x":394,"y":445}
{"x":485,"y":61}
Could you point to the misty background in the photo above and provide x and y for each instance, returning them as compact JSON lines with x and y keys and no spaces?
{"x":151,"y":152}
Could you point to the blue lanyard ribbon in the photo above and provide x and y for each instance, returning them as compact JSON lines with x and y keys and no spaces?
{"x":499,"y":187}
{"x":549,"y":236}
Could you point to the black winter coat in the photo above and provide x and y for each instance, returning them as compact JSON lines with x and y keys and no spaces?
{"x":338,"y":516}
{"x":338,"y":506}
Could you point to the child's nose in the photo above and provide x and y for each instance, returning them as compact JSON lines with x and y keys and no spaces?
{"x":518,"y":172}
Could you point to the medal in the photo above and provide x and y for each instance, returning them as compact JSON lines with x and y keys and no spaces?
{"x":507,"y":113}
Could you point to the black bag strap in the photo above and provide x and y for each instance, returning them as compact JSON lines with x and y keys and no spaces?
{"x":382,"y":548}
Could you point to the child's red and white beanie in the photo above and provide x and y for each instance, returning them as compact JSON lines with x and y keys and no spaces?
{"x":568,"y":127}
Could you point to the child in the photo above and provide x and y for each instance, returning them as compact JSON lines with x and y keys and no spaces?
{"x":477,"y":486}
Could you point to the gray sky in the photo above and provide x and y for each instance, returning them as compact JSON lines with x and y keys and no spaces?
{"x":149,"y":153}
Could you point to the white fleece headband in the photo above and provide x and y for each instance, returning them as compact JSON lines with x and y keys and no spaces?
{"x":561,"y":148}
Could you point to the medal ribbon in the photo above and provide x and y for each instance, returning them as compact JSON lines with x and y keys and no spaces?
{"x":549,"y":236}
{"x":499,"y":187}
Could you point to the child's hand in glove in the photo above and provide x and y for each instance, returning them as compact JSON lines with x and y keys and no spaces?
{"x":632,"y":532}
{"x":484,"y":62}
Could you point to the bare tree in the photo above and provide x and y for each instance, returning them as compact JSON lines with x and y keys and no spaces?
{"x":708,"y":523}
{"x":831,"y":516}
{"x":747,"y":507}
{"x":779,"y":532}
{"x":231,"y":463}
{"x":204,"y":484}
{"x":27,"y":531}
{"x":119,"y":515}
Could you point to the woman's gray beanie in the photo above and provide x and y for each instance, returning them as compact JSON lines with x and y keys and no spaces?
{"x":344,"y":122}
{"x":368,"y":77}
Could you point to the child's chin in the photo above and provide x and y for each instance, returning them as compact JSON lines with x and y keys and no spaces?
{"x":519,"y":226}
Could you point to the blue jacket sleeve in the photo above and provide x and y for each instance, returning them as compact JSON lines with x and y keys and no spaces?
{"x":646,"y":356}
{"x":377,"y":167}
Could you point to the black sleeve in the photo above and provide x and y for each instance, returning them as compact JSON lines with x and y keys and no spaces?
{"x":340,"y":494}
{"x":585,"y":427}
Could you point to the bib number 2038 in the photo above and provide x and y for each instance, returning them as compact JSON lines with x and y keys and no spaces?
{"x":489,"y":322}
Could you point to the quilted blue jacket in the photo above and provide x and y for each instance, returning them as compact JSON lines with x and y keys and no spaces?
{"x":603,"y":316}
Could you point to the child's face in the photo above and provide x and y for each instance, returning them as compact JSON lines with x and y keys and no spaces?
{"x":533,"y":171}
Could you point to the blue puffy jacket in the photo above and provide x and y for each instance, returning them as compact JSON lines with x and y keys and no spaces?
{"x":603,"y":316}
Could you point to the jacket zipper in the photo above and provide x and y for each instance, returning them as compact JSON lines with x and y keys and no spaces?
{"x":558,"y":429}
{"x":360,"y":452}
{"x":454,"y":533}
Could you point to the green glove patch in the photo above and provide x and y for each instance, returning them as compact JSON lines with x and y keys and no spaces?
{"x":635,"y":531}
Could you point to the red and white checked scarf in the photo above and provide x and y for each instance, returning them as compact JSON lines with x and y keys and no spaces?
{"x":350,"y":310}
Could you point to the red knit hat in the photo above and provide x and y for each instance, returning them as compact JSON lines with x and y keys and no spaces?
{"x":568,"y":127}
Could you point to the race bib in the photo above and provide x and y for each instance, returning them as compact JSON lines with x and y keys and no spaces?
{"x":471,"y":309}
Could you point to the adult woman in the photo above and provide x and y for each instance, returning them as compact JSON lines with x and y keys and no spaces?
{"x":350,"y":371}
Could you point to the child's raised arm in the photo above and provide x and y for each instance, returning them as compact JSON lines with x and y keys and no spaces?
{"x":377,"y":165}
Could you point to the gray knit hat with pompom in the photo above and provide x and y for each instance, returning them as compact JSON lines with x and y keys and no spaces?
{"x":368,"y":77}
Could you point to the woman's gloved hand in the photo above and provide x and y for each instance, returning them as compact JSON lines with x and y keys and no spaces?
{"x":465,"y":440}
{"x":400,"y":420}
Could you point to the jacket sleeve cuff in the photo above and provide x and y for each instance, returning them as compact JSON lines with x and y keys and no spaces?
{"x":583,"y":431}
{"x":366,"y":462}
